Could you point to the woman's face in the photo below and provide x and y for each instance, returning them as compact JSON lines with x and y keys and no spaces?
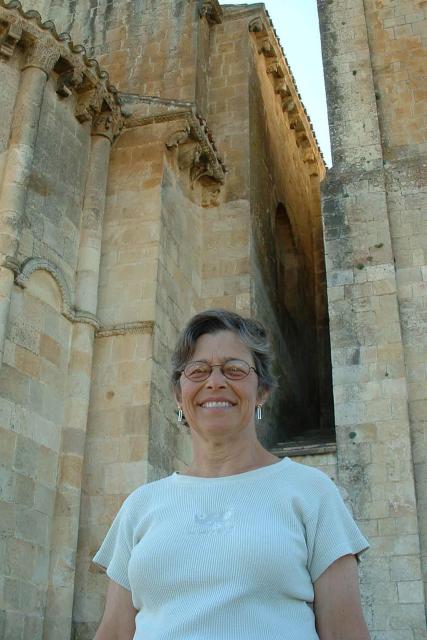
{"x":237,"y":398}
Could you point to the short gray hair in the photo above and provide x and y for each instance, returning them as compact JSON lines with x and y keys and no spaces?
{"x":251,"y":332}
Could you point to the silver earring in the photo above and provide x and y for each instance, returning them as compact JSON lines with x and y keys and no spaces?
{"x":180,"y":414}
{"x":259,"y":412}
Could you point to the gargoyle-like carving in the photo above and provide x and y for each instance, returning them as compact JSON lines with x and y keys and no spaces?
{"x":256,"y":25}
{"x":211,"y":10}
{"x":88,"y":104}
{"x":275,"y":69}
{"x":177,"y":138}
{"x":288,"y":104}
{"x":267,"y":48}
{"x":9,"y":38}
{"x":107,"y":124}
{"x":282,"y":88}
{"x":42,"y":55}
{"x":68,"y":80}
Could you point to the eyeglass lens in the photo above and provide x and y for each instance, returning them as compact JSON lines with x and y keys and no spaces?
{"x":232,"y":369}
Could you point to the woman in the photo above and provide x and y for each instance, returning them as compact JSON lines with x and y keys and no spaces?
{"x":243,"y":546}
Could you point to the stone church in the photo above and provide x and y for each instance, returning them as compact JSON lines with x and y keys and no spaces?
{"x":155,"y":160}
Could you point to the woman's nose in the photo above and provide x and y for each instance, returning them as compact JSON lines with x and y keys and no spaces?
{"x":216,"y":378}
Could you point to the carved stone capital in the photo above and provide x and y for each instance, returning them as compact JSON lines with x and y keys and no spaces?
{"x":42,"y":54}
{"x":88,"y":104}
{"x":211,"y":10}
{"x":10,"y":35}
{"x":107,"y":124}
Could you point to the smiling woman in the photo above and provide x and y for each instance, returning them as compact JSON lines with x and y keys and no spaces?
{"x":242,"y":546}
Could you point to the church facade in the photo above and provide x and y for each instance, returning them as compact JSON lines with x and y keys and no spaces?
{"x":165,"y":166}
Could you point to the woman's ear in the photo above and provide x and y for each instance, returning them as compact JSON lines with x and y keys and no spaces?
{"x":177,"y":394}
{"x":263,"y":395}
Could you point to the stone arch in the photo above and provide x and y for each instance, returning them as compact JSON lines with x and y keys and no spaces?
{"x":30,"y":267}
{"x":287,"y":262}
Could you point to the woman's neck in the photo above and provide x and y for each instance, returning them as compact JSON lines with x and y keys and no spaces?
{"x":218,"y":459}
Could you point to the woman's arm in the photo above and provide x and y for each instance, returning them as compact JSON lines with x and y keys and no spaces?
{"x":337,"y":605}
{"x":118,"y":621}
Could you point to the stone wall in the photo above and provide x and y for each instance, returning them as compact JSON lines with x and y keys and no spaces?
{"x":372,"y":200}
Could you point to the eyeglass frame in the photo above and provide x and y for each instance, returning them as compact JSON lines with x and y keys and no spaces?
{"x":221,"y":369}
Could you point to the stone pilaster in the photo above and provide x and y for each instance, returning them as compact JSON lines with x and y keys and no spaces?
{"x":40,"y":61}
{"x":63,"y":555}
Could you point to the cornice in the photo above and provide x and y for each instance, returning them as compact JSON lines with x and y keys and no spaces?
{"x":146,"y":110}
{"x":49,"y":50}
{"x":280,"y":73}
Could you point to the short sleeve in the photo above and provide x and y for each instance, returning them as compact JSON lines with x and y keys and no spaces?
{"x":114,"y":553}
{"x":331,"y":533}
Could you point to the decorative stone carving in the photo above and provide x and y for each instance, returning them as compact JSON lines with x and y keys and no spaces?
{"x":144,"y":326}
{"x":107,"y":124}
{"x":44,"y":47}
{"x":196,"y":151}
{"x":282,"y":88}
{"x":67,"y":81}
{"x":43,"y":54}
{"x":211,"y":10}
{"x":9,"y":38}
{"x":257,"y":25}
{"x":288,"y":104}
{"x":267,"y":48}
{"x":275,"y":69}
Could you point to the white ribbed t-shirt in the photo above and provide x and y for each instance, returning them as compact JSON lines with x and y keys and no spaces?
{"x":230,"y":558}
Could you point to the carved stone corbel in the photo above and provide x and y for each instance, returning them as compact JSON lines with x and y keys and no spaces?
{"x":257,"y":26}
{"x":275,"y":69}
{"x":282,"y":89}
{"x":288,"y":104}
{"x":88,"y":104}
{"x":178,"y":137}
{"x":295,"y":121}
{"x":211,"y":10}
{"x":9,"y":37}
{"x":67,"y":81}
{"x":43,"y":55}
{"x":267,"y":48}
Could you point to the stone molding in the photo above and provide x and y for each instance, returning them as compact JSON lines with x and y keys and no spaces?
{"x":23,"y":272}
{"x":29,"y":266}
{"x":280,"y":74}
{"x":196,"y":146}
{"x":197,"y":150}
{"x":211,"y":10}
{"x":76,"y":72}
{"x":127,"y":328}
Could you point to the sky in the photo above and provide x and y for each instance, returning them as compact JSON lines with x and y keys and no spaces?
{"x":297,"y":27}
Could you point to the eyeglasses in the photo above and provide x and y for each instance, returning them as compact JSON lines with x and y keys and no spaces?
{"x":198,"y":371}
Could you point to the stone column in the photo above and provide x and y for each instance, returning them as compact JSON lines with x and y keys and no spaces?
{"x":66,"y":516}
{"x":41,"y":59}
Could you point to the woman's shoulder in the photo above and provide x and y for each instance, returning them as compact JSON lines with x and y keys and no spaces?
{"x":145,"y":493}
{"x":309,"y":480}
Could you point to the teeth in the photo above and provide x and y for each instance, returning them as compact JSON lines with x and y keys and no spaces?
{"x":213,"y":405}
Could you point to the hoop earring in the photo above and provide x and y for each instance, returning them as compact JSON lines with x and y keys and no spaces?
{"x":258,"y":412}
{"x":180,"y":414}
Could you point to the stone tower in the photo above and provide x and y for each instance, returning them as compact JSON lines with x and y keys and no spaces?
{"x":375,"y":220}
{"x":167,"y":165}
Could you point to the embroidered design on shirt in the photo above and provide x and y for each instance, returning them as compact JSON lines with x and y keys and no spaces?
{"x":215,"y":522}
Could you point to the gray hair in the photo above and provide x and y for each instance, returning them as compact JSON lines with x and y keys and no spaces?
{"x":249,"y":331}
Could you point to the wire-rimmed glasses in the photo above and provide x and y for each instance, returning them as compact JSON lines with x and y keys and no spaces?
{"x":233,"y":369}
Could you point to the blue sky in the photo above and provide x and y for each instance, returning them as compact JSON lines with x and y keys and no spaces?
{"x":297,"y":26}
